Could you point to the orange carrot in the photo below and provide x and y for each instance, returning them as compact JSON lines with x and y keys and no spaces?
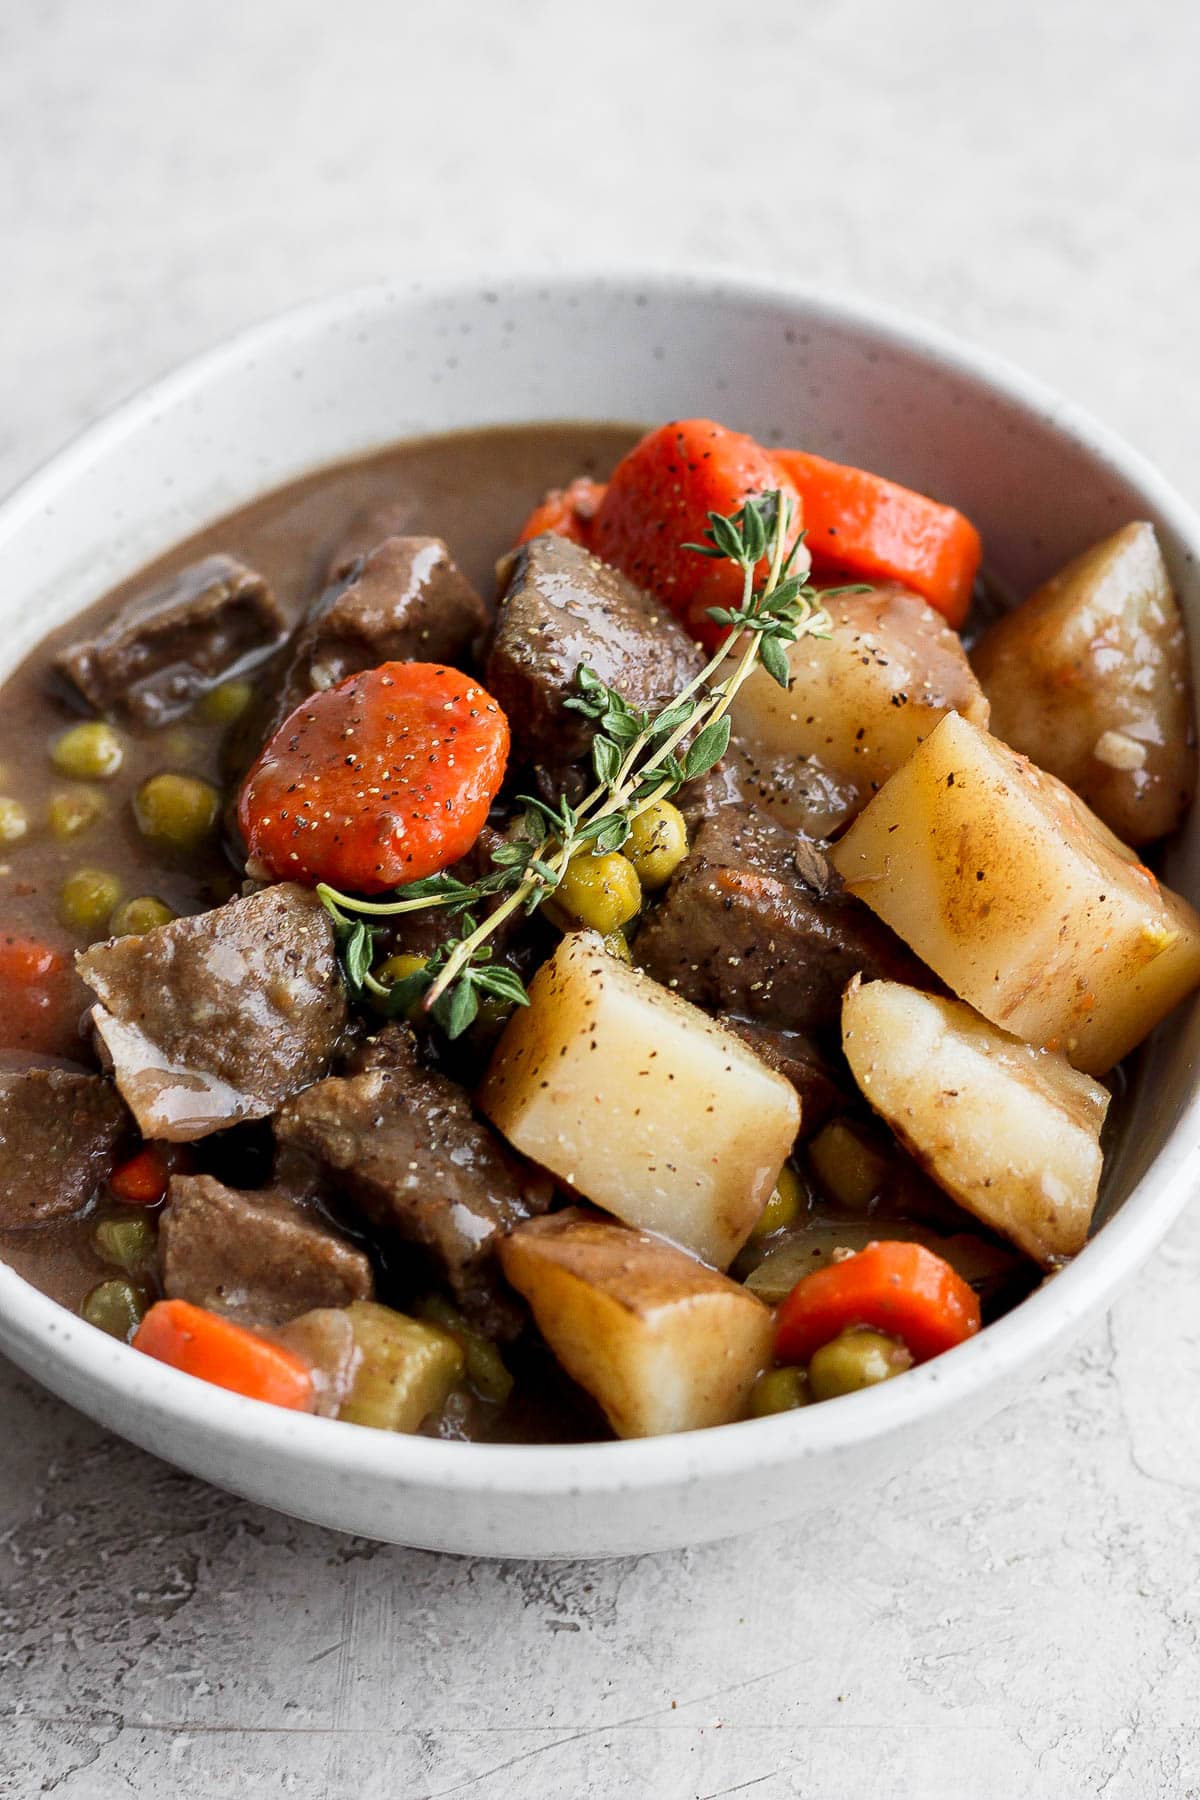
{"x":35,"y":995}
{"x":566,"y":512}
{"x":380,"y":780}
{"x":902,"y":1289}
{"x":142,"y":1181}
{"x":214,"y":1349}
{"x":658,"y":499}
{"x":865,"y":526}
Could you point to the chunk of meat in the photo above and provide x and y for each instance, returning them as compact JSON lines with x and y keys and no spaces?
{"x":212,"y":620}
{"x":405,"y":602}
{"x":58,"y":1135}
{"x":757,"y":922}
{"x":261,"y":1258}
{"x":222,"y":1016}
{"x":564,"y":607}
{"x":404,"y":1145}
{"x":813,"y":1074}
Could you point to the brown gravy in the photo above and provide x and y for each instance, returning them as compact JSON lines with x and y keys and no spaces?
{"x":472,"y":488}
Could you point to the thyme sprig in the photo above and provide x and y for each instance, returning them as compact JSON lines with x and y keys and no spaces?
{"x":638,"y":758}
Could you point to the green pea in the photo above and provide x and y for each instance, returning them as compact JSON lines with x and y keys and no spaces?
{"x":116,"y":1307}
{"x":176,"y":812}
{"x":657,"y":843}
{"x":72,"y":811}
{"x":127,"y":1244}
{"x":779,"y":1390}
{"x":86,"y":900}
{"x":224,"y":705}
{"x":785,"y":1206}
{"x":14,"y":821}
{"x":601,"y":891}
{"x":89,"y":752}
{"x":133,"y":918}
{"x":857,"y":1359}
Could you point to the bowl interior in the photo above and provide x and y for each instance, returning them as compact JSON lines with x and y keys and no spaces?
{"x":356,"y":374}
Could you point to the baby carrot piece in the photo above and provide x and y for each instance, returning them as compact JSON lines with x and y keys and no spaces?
{"x":864,"y":526}
{"x":658,"y":500}
{"x":142,"y":1181}
{"x":216,"y":1350}
{"x":380,"y":780}
{"x":566,"y":512}
{"x":898,"y":1288}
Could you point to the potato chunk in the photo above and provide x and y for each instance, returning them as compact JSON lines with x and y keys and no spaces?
{"x":1020,"y":899}
{"x":862,"y":699}
{"x":640,"y":1102}
{"x":1090,"y":678}
{"x":661,"y":1342}
{"x":1012,"y":1132}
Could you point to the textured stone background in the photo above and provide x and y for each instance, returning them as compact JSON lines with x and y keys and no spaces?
{"x":1020,"y":1617}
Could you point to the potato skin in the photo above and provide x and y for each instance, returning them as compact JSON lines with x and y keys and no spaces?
{"x":661,"y":1342}
{"x":1090,"y":678}
{"x":1024,"y":903}
{"x":1010,"y":1131}
{"x":860,"y":700}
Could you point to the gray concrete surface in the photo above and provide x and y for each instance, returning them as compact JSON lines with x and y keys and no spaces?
{"x":1020,"y":1617}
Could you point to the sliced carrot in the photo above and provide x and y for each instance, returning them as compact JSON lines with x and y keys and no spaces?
{"x":899,"y":1288}
{"x":566,"y":512}
{"x":214,"y":1349}
{"x":35,"y":994}
{"x":142,"y":1181}
{"x":381,"y":780}
{"x":658,"y":499}
{"x":864,"y":526}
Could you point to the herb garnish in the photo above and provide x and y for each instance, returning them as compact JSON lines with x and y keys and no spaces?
{"x":637,"y":757}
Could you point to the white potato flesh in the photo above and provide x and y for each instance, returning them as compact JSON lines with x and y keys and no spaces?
{"x":640,"y":1102}
{"x":1020,"y":899}
{"x":1011,"y":1131}
{"x":1090,"y":678}
{"x":862,"y":699}
{"x":661,"y":1342}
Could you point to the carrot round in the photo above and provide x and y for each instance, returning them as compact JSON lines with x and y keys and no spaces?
{"x":658,"y":499}
{"x":898,"y":1288}
{"x":142,"y":1181}
{"x":865,"y":526}
{"x":214,"y":1349}
{"x":566,"y":512}
{"x":381,"y":780}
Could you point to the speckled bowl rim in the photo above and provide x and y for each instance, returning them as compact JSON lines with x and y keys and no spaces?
{"x":46,"y":1331}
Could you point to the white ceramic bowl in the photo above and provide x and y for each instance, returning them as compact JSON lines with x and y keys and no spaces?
{"x":359,"y":372}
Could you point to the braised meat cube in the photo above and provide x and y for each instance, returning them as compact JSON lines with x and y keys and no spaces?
{"x":58,"y":1135}
{"x":405,"y":1147}
{"x":564,"y":607}
{"x":261,"y":1257}
{"x":757,"y":922}
{"x":165,"y":648}
{"x":222,"y":1016}
{"x":405,"y":602}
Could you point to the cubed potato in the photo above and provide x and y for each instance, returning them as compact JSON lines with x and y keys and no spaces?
{"x":1090,"y":678}
{"x":640,"y":1102}
{"x":1011,"y":1131}
{"x":862,"y":699}
{"x":661,"y":1342}
{"x":1020,"y":899}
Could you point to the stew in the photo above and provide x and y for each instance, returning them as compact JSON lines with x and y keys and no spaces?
{"x":544,"y":932}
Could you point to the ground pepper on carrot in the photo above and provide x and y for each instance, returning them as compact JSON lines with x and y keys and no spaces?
{"x":383,"y":779}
